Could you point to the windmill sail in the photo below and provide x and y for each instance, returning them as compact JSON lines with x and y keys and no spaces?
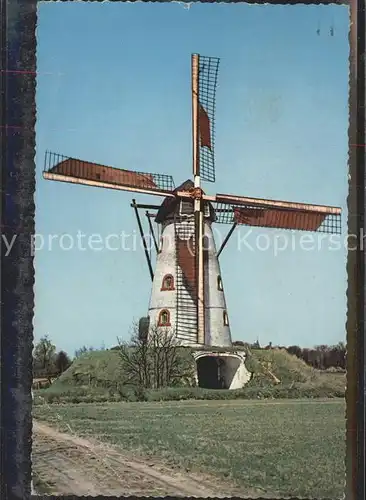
{"x":277,"y":214}
{"x":208,"y":68}
{"x":205,"y":129}
{"x":284,"y":219}
{"x":66,"y":169}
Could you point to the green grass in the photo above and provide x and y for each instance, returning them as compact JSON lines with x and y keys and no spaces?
{"x":288,"y":448}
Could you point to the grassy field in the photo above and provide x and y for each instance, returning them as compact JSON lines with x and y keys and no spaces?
{"x":287,"y":448}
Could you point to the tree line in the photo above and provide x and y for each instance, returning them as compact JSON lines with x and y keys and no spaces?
{"x":321,"y":357}
{"x":47,"y":361}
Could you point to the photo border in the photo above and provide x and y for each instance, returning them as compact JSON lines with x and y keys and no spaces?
{"x":17,"y":135}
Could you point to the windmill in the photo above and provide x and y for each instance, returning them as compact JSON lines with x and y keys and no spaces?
{"x":187,"y":291}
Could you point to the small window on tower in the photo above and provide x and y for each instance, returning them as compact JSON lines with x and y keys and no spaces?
{"x":164,"y":318}
{"x":168,"y":282}
{"x":186,"y":207}
{"x":219,"y":283}
{"x":226,"y":319}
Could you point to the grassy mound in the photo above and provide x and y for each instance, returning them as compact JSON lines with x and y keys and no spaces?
{"x":96,"y":376}
{"x":277,"y":366}
{"x":96,"y":369}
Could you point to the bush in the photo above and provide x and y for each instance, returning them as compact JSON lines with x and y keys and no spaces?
{"x":289,"y":391}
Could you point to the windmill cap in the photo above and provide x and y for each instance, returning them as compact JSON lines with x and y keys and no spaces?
{"x":171,"y":204}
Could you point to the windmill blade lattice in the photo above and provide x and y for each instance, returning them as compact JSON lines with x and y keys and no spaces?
{"x":278,"y":218}
{"x":207,"y":82}
{"x":66,"y":169}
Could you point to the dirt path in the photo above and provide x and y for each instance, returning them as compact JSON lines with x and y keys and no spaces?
{"x":68,"y":464}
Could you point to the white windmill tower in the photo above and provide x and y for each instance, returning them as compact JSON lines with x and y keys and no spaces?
{"x":174,"y":298}
{"x":187,"y":288}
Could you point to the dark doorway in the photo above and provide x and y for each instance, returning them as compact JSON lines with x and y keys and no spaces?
{"x":208,"y":371}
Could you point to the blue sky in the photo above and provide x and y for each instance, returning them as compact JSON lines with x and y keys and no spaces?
{"x":114,"y":87}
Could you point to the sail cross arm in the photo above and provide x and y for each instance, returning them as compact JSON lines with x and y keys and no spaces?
{"x":261,"y":202}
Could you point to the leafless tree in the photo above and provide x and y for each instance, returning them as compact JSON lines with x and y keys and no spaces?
{"x":151,"y":362}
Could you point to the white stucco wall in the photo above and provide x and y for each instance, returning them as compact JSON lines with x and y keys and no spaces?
{"x":165,"y":264}
{"x":235,"y":371}
{"x":217,"y":334}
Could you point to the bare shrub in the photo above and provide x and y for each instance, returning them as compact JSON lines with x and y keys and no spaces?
{"x":151,"y":362}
